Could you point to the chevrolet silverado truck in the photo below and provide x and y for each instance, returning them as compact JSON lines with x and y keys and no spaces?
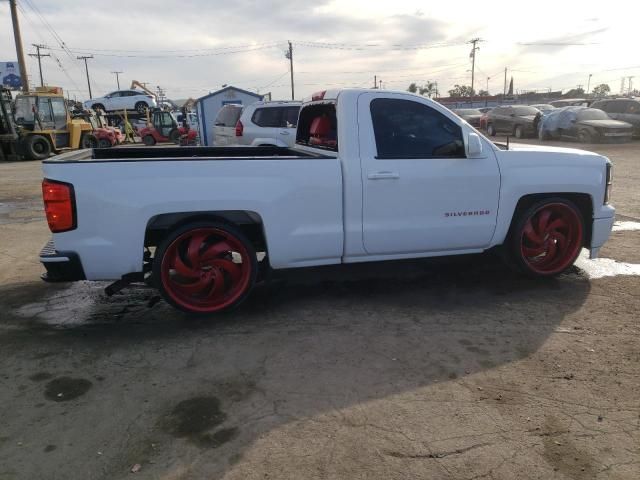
{"x":375,"y":175}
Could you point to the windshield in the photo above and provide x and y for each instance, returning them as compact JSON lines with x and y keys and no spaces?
{"x":523,"y":111}
{"x":592,"y":114}
{"x":468,"y":111}
{"x":24,"y":110}
{"x":544,"y":108}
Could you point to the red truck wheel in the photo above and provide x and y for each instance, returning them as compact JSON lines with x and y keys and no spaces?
{"x":547,"y":238}
{"x":205,"y":267}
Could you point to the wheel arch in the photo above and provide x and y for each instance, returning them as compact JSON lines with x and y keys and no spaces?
{"x":248,"y":222}
{"x":583,"y":201}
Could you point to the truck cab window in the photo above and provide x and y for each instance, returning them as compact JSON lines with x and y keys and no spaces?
{"x":408,"y":129}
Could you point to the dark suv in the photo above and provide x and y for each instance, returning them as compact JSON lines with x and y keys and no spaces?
{"x":515,"y":120}
{"x":623,"y":109}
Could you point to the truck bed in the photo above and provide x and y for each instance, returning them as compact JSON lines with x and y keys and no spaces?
{"x":156,"y":154}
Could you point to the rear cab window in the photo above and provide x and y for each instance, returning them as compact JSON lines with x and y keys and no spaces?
{"x":318,"y":126}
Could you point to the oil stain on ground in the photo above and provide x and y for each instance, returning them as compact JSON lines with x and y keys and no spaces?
{"x":193,"y":418}
{"x":63,"y":389}
{"x":40,"y":376}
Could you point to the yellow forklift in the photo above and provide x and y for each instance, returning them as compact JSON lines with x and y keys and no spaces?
{"x":44,"y":126}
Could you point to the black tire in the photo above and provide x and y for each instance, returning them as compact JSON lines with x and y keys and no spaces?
{"x":513,"y":246}
{"x":491,"y":130}
{"x":519,"y":131}
{"x":174,"y":136}
{"x":104,"y":143}
{"x":168,"y":249}
{"x":97,"y":106}
{"x":141,"y":107}
{"x":584,"y":136}
{"x":37,"y":147}
{"x":88,"y":140}
{"x":148,"y":140}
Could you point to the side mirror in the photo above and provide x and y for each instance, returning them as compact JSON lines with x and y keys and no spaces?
{"x":474,"y":145}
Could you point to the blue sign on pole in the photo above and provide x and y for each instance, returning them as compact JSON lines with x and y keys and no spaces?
{"x":10,"y":75}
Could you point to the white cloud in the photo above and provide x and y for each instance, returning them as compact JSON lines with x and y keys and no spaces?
{"x":153,"y":28}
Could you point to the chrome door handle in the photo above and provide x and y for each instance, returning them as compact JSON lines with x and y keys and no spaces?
{"x":383,"y":175}
{"x":284,"y":132}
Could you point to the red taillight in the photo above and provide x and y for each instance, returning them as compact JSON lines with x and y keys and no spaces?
{"x":59,"y":205}
{"x":318,"y":96}
{"x":239,"y":129}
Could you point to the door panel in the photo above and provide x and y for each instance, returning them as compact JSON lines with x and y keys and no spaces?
{"x":426,"y":204}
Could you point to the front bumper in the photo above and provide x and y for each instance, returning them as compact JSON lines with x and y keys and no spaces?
{"x":601,"y":229}
{"x":60,"y":266}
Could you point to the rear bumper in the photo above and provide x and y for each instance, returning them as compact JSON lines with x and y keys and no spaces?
{"x":60,"y":266}
{"x":601,"y":229}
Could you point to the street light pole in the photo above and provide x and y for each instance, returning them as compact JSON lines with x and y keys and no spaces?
{"x":589,"y":82}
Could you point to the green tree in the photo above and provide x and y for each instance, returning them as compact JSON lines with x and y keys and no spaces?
{"x":601,"y":90}
{"x":483,"y":93}
{"x":413,"y":88}
{"x":574,"y":92}
{"x":461,"y":91}
{"x":429,"y":89}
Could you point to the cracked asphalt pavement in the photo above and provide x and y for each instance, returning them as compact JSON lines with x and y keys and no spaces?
{"x":452,"y":368}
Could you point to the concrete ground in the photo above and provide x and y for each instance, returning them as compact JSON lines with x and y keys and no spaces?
{"x":440,"y":369}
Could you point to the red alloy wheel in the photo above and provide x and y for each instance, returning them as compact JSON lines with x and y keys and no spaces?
{"x":205,"y":270}
{"x":551,"y":238}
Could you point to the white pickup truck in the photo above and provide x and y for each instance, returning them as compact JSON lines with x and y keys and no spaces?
{"x":375,"y":175}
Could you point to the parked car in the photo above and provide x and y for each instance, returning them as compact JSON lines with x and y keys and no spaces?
{"x":268,"y":123}
{"x":356,"y":188}
{"x":570,"y":102}
{"x":623,"y":109}
{"x":484,"y":110}
{"x":224,"y":127}
{"x":122,"y":100}
{"x":515,"y":120}
{"x":484,"y":118}
{"x":544,"y":107}
{"x":471,"y":115}
{"x":192,"y":119}
{"x":587,"y":125}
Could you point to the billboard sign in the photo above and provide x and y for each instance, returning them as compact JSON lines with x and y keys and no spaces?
{"x":10,"y":75}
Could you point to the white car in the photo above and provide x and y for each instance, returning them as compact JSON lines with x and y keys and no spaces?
{"x":224,"y":127}
{"x":375,"y":175}
{"x":268,"y":123}
{"x":122,"y":100}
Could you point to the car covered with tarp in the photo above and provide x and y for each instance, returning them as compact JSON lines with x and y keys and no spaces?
{"x":587,"y":125}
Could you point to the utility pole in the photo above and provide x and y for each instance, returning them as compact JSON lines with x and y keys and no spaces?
{"x":117,"y":74}
{"x":488,"y":78}
{"x":39,"y":55}
{"x":504,"y":93}
{"x":630,"y":84}
{"x":86,"y":68}
{"x":18,"y":40}
{"x":473,"y":60}
{"x":589,"y":82}
{"x":380,"y":82}
{"x":289,"y":54}
{"x":375,"y":81}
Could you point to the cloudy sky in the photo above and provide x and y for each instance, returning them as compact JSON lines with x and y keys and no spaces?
{"x":192,"y":47}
